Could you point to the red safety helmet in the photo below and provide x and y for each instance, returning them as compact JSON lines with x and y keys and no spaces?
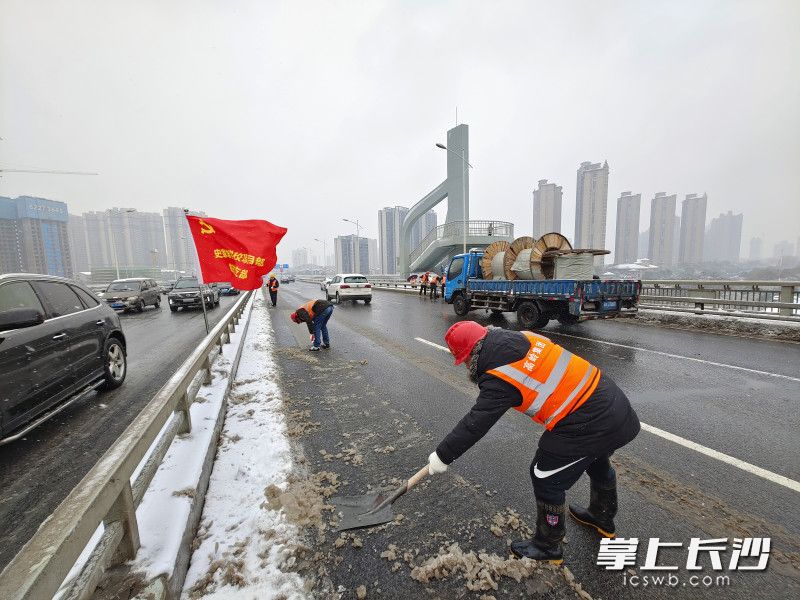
{"x":294,"y":317}
{"x":462,"y":337}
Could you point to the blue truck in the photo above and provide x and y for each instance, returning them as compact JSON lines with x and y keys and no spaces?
{"x":569,"y":301}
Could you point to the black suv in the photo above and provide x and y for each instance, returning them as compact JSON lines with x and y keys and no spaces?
{"x":186,"y":294}
{"x":58,"y":342}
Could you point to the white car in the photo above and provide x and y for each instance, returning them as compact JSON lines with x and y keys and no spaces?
{"x":324,"y":284}
{"x":349,"y":286}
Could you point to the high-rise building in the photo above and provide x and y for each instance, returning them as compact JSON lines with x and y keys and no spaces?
{"x":591,"y":206}
{"x":346,"y":259}
{"x":546,"y":208}
{"x":783,"y":249}
{"x":390,"y":219}
{"x":627,"y":240}
{"x":756,"y":248}
{"x":644,"y":242}
{"x":180,"y":245}
{"x":693,"y":229}
{"x":79,"y":244}
{"x":10,"y":238}
{"x":299,"y":258}
{"x":373,"y":257}
{"x":35,"y":236}
{"x":723,"y":238}
{"x":422,"y":228}
{"x":660,"y":250}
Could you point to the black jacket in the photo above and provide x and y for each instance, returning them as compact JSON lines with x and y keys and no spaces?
{"x":317,"y":308}
{"x":602,"y":424}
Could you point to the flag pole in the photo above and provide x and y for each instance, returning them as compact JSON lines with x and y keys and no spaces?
{"x":203,"y":303}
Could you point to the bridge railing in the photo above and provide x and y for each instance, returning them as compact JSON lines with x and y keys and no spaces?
{"x":776,"y":300}
{"x":455,"y":230}
{"x":106,"y":495}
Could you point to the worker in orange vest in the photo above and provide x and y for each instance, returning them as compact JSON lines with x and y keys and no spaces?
{"x":585,"y":415}
{"x":433,"y":282}
{"x":315,"y":314}
{"x":443,"y":281}
{"x":423,"y":285}
{"x":272,"y":286}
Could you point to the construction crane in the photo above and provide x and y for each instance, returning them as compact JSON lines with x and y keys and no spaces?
{"x":44,"y":171}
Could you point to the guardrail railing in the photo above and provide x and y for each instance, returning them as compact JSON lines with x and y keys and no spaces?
{"x":106,"y":495}
{"x":774,"y":300}
{"x":777,"y":300}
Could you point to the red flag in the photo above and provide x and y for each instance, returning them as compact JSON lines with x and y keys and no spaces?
{"x":241,"y":252}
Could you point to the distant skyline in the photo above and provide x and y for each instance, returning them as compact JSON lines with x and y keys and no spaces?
{"x":304,"y":114}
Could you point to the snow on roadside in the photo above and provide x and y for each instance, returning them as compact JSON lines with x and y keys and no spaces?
{"x":242,"y":546}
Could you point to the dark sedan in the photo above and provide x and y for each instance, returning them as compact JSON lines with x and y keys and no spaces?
{"x":58,"y":343}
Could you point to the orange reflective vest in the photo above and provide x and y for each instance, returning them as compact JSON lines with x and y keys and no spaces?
{"x":273,"y":285}
{"x":553,"y":381}
{"x":309,"y":308}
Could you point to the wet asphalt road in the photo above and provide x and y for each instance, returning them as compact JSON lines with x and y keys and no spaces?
{"x":38,"y":471}
{"x":700,"y":386}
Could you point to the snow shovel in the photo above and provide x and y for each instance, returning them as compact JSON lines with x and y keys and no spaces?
{"x":374,"y":508}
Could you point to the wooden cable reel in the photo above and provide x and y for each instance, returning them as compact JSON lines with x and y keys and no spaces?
{"x":493,"y":260}
{"x":543,"y":254}
{"x":516,"y":262}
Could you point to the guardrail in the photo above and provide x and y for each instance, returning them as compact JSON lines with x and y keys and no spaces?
{"x":774,"y":300}
{"x":106,"y":494}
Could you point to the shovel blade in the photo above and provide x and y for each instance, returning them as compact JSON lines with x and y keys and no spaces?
{"x":356,"y":511}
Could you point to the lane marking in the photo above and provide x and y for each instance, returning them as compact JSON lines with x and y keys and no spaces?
{"x":680,"y":356}
{"x":710,"y":452}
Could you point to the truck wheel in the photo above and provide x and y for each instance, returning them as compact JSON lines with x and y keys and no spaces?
{"x":530,"y":316}
{"x":568,"y":319}
{"x":460,"y":305}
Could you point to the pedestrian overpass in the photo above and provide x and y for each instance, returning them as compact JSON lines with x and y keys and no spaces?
{"x":448,"y":239}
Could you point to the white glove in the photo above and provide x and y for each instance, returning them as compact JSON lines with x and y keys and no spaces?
{"x":435,"y":464}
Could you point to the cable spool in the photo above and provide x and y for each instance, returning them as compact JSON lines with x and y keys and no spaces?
{"x":492,"y":260}
{"x":542,"y":262}
{"x":514,"y":269}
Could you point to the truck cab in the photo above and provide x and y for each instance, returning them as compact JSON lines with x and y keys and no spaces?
{"x":462,"y":267}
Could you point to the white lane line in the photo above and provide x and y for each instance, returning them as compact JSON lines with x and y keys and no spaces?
{"x":710,"y":452}
{"x":726,"y":458}
{"x":679,"y":356}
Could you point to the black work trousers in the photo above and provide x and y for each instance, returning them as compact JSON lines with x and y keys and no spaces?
{"x":423,"y":289}
{"x":274,"y":297}
{"x":552,"y":475}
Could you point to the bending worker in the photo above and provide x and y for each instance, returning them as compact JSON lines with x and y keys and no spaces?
{"x":315,"y":314}
{"x":273,"y":286}
{"x":586,"y":417}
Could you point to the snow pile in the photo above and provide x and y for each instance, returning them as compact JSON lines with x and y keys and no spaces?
{"x":245,"y":545}
{"x":479,"y":571}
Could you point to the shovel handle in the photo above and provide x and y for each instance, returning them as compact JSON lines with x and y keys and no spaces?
{"x":417,"y":477}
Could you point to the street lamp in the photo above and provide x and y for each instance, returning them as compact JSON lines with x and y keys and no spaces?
{"x":114,"y":245}
{"x":464,"y":165}
{"x":356,"y":253}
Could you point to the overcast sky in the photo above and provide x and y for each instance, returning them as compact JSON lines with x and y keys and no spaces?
{"x":302,"y":113}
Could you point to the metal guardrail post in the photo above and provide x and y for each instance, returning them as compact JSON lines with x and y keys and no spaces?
{"x":184,"y":406}
{"x":787,"y":293}
{"x":207,"y":379}
{"x":124,"y":511}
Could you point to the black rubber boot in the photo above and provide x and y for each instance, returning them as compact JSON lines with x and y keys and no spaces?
{"x":546,"y":544}
{"x":601,"y":511}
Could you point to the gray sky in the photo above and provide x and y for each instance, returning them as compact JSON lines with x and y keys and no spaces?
{"x":304,"y":113}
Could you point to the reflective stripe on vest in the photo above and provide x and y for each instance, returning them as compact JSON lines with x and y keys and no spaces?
{"x":553,"y":381}
{"x":273,"y":287}
{"x":309,"y":306}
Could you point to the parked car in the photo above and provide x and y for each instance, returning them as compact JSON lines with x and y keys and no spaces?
{"x":227,"y":289}
{"x":324,"y":285}
{"x":58,"y":343}
{"x":349,"y":286}
{"x":134,"y":293}
{"x":186,"y":294}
